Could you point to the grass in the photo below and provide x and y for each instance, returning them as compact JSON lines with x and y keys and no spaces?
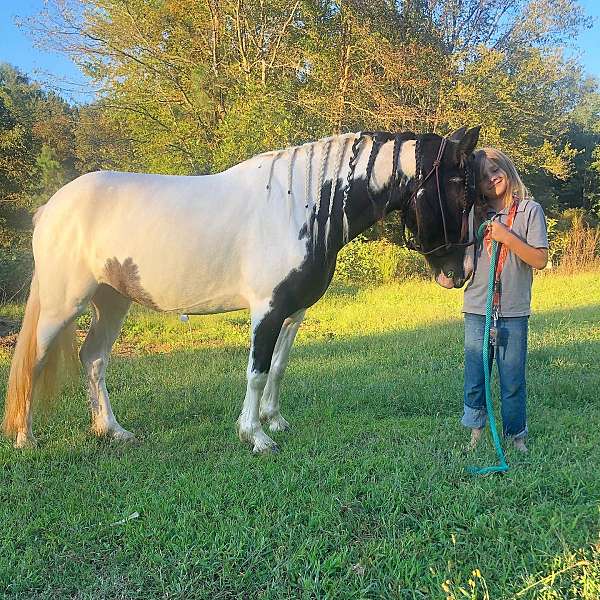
{"x":369,"y":497}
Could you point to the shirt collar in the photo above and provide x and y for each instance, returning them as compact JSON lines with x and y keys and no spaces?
{"x":520,"y":208}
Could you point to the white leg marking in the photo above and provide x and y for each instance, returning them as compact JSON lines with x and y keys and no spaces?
{"x":103,"y":418}
{"x":269,"y":404}
{"x":249,"y":427}
{"x":110,"y":309}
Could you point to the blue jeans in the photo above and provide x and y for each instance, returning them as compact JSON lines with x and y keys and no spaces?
{"x":511,"y":359}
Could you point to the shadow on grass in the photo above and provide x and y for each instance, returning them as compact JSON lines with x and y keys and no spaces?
{"x":408,"y":373}
{"x":416,"y":372}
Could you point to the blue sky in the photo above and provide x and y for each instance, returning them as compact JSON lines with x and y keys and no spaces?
{"x":16,"y":48}
{"x":589,"y":40}
{"x":55,"y":69}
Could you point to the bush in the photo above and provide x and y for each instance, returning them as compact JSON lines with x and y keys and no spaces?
{"x":579,"y":246}
{"x":376,"y":262}
{"x":16,"y":267}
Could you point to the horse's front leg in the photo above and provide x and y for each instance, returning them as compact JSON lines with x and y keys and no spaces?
{"x":269,"y":404}
{"x":266,"y":325}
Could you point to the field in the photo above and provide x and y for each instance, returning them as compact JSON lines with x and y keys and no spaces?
{"x":368,"y":498}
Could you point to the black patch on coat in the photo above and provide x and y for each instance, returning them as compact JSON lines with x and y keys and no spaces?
{"x":303,"y":286}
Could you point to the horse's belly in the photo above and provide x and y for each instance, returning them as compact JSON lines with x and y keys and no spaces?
{"x":218,"y":304}
{"x":171,"y":286}
{"x":199,"y":295}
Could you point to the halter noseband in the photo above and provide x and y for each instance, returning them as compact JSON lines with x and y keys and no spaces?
{"x":416,"y":245}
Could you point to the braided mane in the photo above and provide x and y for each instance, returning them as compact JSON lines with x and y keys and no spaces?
{"x":329,"y":154}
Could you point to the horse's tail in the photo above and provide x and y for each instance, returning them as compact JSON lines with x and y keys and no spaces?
{"x":32,"y":376}
{"x":21,"y":378}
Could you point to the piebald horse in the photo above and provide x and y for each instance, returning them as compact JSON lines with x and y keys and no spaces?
{"x":263,"y":235}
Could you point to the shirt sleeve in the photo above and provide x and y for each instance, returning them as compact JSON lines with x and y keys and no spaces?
{"x":537,"y":234}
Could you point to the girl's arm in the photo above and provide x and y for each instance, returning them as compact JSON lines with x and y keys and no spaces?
{"x":534,"y":257}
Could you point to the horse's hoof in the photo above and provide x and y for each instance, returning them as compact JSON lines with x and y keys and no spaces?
{"x":113,"y":433}
{"x":263,"y":444}
{"x":273,"y":449}
{"x":278,"y":424}
{"x":25,"y":440}
{"x":122,"y":435}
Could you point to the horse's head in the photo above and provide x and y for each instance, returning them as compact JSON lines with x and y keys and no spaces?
{"x":443,"y":194}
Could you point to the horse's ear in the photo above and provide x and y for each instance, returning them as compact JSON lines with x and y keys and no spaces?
{"x":469,"y":141}
{"x":458,"y":135}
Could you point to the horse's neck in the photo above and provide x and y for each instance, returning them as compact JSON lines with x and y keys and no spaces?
{"x":337,"y":187}
{"x":372,"y":194}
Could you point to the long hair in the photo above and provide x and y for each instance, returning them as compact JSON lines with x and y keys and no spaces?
{"x":514,"y":184}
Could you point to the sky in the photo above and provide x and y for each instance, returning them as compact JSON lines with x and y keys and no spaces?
{"x":50,"y":68}
{"x":57,"y":71}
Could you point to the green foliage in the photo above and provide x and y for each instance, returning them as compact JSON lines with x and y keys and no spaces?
{"x":51,"y":175}
{"x":375,"y":262}
{"x":15,"y":273}
{"x":36,"y":158}
{"x":553,"y":244}
{"x":523,"y":102}
{"x":582,"y":188}
{"x":255,"y":123}
{"x":18,"y":146}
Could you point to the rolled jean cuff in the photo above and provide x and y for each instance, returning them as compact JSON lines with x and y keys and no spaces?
{"x":518,"y":436}
{"x":474,"y":418}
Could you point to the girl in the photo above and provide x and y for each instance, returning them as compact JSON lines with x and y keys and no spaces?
{"x":519,"y":225}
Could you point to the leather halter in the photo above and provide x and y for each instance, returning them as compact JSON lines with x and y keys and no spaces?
{"x":448,"y":245}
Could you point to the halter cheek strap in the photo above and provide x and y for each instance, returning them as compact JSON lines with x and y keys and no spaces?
{"x":435,"y":169}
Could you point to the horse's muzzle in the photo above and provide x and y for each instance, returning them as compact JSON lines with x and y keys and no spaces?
{"x":450,"y":281}
{"x":445,"y":281}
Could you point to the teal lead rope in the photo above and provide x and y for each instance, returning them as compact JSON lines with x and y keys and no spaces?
{"x":501,"y":467}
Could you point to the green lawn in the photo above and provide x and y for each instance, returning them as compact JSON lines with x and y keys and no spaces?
{"x":369,"y":497}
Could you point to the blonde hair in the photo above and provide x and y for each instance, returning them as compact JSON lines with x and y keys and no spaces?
{"x":514,"y":184}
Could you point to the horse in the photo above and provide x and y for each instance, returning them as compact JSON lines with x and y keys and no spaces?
{"x":263,"y":235}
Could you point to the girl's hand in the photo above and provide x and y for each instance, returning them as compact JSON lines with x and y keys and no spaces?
{"x":534,"y":257}
{"x":499,"y":232}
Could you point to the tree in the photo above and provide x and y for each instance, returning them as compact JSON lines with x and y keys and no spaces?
{"x":192,"y":87}
{"x":36,"y":158}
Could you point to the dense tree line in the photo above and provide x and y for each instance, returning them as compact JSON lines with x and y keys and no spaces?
{"x":194,"y":86}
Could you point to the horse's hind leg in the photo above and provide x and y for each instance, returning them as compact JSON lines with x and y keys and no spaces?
{"x":108,"y":312}
{"x":269,"y":404}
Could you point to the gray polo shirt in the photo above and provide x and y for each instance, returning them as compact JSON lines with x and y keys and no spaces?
{"x":516,"y":278}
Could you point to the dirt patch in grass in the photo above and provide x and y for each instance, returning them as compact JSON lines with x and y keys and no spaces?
{"x":8,"y":333}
